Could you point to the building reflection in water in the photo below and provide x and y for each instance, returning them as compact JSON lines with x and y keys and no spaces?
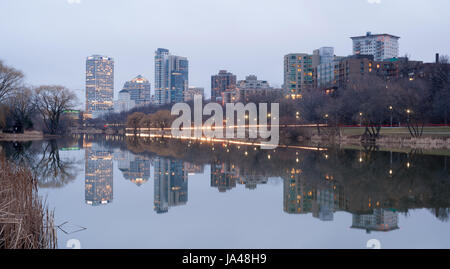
{"x":251,"y":181}
{"x":134,"y":168}
{"x":380,"y":220}
{"x":316,"y":183}
{"x":224,"y":176}
{"x":322,"y":199}
{"x":98,"y":174}
{"x":171,"y":184}
{"x":193,"y":169}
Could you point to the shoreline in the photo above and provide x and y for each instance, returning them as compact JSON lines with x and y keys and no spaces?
{"x":395,"y":143}
{"x":428,"y":145}
{"x":26,"y":136}
{"x":421,"y":143}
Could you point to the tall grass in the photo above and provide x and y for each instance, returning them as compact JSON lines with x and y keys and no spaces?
{"x":25,"y":222}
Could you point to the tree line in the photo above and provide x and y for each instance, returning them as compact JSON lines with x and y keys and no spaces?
{"x":24,"y":107}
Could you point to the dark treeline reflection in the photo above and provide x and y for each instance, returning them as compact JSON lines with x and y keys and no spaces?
{"x":374,"y":186}
{"x":43,"y":157}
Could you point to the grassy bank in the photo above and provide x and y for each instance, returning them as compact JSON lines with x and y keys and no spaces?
{"x":25,"y":222}
{"x":400,"y":131}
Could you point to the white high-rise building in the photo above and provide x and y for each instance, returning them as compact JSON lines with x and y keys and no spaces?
{"x":124,"y":103}
{"x":99,"y":85}
{"x":381,"y":46}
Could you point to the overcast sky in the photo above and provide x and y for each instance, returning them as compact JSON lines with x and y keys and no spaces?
{"x":49,"y":39}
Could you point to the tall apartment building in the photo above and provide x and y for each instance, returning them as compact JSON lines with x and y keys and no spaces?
{"x":192,"y":91}
{"x":298,"y":73}
{"x":139,"y":89}
{"x":323,"y":55}
{"x":171,"y":77}
{"x":99,"y":85}
{"x":124,"y":103}
{"x":381,"y":46}
{"x":357,"y":67}
{"x":220,"y":83}
{"x":353,"y":68}
{"x":251,"y":85}
{"x":161,"y":75}
{"x":326,"y":69}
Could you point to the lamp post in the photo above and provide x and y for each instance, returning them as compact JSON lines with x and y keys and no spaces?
{"x":408,"y":111}
{"x":360,"y":118}
{"x":391,"y":110}
{"x":326,"y":119}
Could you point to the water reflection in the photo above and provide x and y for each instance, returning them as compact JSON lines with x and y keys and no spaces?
{"x":98,"y":174}
{"x":171,"y":184}
{"x":44,"y":159}
{"x":375,"y":187}
{"x":380,"y":220}
{"x":134,"y":168}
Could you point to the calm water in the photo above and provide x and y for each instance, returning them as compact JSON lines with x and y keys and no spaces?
{"x":130,"y":193}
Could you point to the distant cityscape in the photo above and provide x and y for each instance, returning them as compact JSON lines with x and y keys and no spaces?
{"x":372,"y":54}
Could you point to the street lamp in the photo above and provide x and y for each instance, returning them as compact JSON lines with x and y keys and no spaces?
{"x":360,"y":118}
{"x":326,"y":119}
{"x":408,"y":111}
{"x":391,"y":110}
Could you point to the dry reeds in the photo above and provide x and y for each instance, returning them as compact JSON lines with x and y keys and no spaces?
{"x":25,"y":222}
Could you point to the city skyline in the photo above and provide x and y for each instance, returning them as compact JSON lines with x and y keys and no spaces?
{"x":253,"y":54}
{"x":211,"y":124}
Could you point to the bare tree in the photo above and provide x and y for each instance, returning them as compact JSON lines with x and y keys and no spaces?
{"x":369,"y":99}
{"x":51,"y":102}
{"x":440,"y":89}
{"x":134,"y":121}
{"x":312,"y":107}
{"x":10,"y":79}
{"x":4,"y":115}
{"x":147,"y":121}
{"x":163,"y":119}
{"x":22,"y":108}
{"x":414,"y":102}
